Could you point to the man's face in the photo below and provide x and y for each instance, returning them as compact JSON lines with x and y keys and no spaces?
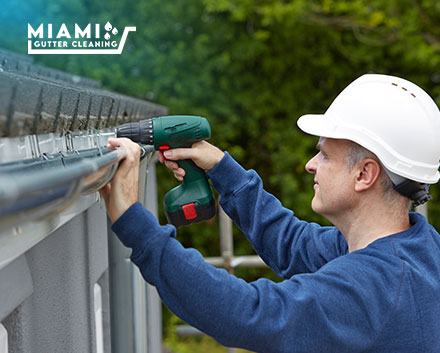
{"x":334,"y":182}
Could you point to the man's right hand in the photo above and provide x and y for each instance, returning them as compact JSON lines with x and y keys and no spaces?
{"x":203,"y":154}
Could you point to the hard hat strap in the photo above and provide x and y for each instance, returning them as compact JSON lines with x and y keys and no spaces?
{"x":415,"y":191}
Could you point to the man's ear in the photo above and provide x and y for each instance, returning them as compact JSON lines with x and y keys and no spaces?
{"x":367,"y":172}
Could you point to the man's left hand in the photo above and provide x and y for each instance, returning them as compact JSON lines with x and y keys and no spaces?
{"x":122,"y":192}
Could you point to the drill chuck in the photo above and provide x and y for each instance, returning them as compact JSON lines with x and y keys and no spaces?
{"x":141,"y":131}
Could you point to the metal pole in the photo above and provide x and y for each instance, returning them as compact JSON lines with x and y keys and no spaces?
{"x":422,"y":209}
{"x":226,"y":248}
{"x":139,"y":297}
{"x":251,"y":261}
{"x":226,"y":240}
{"x":154,"y":304}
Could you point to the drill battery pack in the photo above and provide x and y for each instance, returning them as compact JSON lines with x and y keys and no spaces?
{"x":191,"y":213}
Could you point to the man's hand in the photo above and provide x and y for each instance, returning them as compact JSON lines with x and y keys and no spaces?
{"x":122,"y":192}
{"x":204,"y":155}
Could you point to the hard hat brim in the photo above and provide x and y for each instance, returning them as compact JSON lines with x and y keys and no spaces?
{"x":318,"y":125}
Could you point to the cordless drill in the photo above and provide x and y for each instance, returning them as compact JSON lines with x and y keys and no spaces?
{"x":192,"y":201}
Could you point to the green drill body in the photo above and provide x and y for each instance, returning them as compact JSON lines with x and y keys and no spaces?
{"x":192,"y":201}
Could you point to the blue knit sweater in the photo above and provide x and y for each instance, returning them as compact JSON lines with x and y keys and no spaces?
{"x":383,"y":298}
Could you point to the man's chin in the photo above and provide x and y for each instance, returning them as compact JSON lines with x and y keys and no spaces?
{"x":316,"y":206}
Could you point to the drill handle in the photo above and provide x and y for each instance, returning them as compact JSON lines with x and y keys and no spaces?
{"x":192,"y":201}
{"x":192,"y":171}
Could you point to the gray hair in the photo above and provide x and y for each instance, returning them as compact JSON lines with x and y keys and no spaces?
{"x":355,"y":153}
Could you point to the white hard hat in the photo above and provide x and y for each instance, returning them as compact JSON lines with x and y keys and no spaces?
{"x":391,"y":117}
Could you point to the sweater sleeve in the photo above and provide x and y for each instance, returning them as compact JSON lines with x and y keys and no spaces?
{"x":303,"y":314}
{"x":287,"y":244}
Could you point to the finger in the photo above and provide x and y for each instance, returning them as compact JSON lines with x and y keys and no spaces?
{"x":171,"y":165}
{"x":161,"y":157}
{"x":131,"y":148}
{"x":179,"y":153}
{"x":115,"y":142}
{"x":105,"y":193}
{"x":179,"y":172}
{"x":175,"y":168}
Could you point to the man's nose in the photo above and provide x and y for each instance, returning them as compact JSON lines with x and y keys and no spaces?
{"x":312,"y":164}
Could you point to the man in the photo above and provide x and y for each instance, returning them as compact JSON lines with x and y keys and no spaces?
{"x":369,"y":284}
